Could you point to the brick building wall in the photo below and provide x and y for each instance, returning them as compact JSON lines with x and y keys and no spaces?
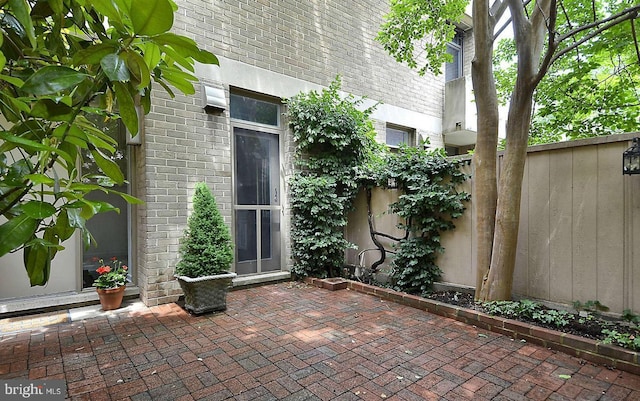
{"x":275,"y":48}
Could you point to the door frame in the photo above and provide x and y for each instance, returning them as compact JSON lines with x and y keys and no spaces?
{"x":268,"y":129}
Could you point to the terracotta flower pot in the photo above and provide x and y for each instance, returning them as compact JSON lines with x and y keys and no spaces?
{"x":111,"y":298}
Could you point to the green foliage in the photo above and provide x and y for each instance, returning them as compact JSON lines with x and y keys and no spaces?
{"x":592,"y":91}
{"x":429,"y":203}
{"x":334,"y":141}
{"x":206,"y":248}
{"x":558,"y":318}
{"x":318,"y":221}
{"x":590,"y":306}
{"x":527,"y":309}
{"x":68,"y":67}
{"x":630,"y":317}
{"x":409,"y":22}
{"x":111,"y":275}
{"x":626,"y":340}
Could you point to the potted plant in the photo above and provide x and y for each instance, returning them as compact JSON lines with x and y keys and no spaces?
{"x":206,"y":253}
{"x":111,"y":282}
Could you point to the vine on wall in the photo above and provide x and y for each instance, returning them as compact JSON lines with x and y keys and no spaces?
{"x":336,"y":155}
{"x":429,"y":204}
{"x":333,"y":141}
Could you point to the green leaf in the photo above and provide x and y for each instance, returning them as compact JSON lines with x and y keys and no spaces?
{"x":22,"y":11}
{"x":565,"y":377}
{"x":63,"y":228}
{"x":151,"y":17}
{"x":37,"y":262}
{"x":40,"y":179}
{"x":12,"y":80}
{"x":108,"y":166}
{"x":94,"y":54}
{"x":152,"y":55}
{"x":115,"y":68}
{"x":29,"y":144}
{"x":16,"y":232}
{"x":51,"y":110}
{"x":126,"y":107}
{"x":109,"y":9}
{"x":52,"y":79}
{"x":138,"y":68}
{"x":130,"y":199}
{"x":180,"y":80}
{"x":38,"y":209}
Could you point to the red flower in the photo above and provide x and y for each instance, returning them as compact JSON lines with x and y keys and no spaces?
{"x":103,"y":269}
{"x":125,"y":268}
{"x":113,"y":258}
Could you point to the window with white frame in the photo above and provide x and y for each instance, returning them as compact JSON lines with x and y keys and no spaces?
{"x":453,"y":70}
{"x":397,"y":136}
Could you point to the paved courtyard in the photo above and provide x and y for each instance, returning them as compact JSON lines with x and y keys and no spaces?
{"x":290,"y":341}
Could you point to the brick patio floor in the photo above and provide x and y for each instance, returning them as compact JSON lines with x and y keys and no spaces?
{"x":290,"y":341}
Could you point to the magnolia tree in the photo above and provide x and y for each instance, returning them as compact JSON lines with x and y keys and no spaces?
{"x":66,"y":66}
{"x":544,"y":32}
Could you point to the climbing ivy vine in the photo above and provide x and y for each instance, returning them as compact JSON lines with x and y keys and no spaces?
{"x":336,"y":155}
{"x":333,"y":140}
{"x":429,"y":203}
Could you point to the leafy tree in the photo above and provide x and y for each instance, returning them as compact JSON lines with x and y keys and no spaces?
{"x":66,"y":65}
{"x":592,"y":91}
{"x":545,"y":32}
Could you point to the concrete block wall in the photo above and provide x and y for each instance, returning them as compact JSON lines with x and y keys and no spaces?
{"x":275,"y":48}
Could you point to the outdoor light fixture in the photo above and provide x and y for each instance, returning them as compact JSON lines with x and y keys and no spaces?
{"x":631,"y":158}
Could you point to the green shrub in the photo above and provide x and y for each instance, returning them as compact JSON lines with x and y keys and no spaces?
{"x":206,"y":248}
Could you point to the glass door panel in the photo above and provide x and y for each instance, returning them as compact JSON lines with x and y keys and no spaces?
{"x":257,"y":187}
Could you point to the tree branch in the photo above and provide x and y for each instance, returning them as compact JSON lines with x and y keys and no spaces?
{"x":601,"y":26}
{"x":551,"y":44}
{"x":635,"y":39}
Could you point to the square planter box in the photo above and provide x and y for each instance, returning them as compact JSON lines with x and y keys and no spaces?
{"x":206,"y":294}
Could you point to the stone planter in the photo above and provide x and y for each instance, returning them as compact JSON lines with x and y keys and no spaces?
{"x":111,"y":298}
{"x":206,"y":294}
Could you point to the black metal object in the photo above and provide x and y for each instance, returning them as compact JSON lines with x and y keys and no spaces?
{"x":631,"y":158}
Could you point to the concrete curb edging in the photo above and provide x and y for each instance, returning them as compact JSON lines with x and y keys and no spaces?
{"x":580,"y":347}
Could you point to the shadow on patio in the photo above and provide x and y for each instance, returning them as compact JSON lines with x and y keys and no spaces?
{"x":291,"y":341}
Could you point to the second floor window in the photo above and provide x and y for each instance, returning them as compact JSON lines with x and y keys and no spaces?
{"x":453,"y":69}
{"x":396,"y":136}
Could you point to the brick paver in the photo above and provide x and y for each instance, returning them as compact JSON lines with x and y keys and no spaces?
{"x":294,"y":342}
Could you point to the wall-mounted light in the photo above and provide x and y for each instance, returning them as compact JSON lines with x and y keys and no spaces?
{"x":214,"y":100}
{"x":631,"y":158}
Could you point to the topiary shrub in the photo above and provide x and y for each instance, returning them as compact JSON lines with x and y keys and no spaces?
{"x":206,"y":248}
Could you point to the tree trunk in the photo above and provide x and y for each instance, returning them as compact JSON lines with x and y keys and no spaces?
{"x":503,"y":257}
{"x":484,"y":191}
{"x":529,"y":35}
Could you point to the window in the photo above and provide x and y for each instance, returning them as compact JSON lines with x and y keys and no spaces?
{"x":110,"y":230}
{"x":453,"y":70}
{"x":396,"y":136}
{"x":254,"y":110}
